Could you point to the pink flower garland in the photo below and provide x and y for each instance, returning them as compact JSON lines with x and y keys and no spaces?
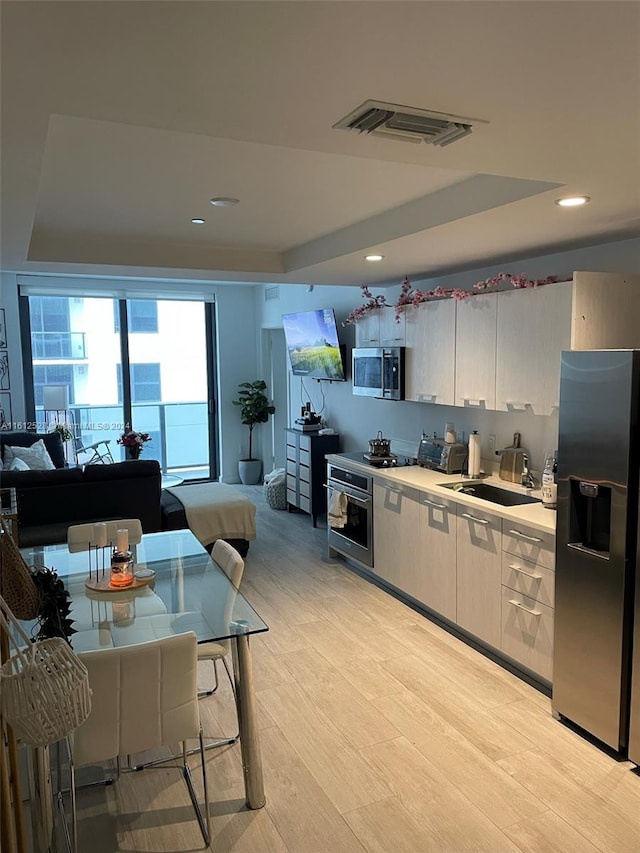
{"x":415,"y":297}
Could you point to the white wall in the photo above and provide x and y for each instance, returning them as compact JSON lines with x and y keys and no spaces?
{"x":358,"y":419}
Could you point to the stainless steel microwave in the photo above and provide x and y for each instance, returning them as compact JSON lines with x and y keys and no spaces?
{"x":378,"y":372}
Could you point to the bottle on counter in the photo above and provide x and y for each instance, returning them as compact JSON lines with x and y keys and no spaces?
{"x":549,"y":490}
{"x":548,"y":475}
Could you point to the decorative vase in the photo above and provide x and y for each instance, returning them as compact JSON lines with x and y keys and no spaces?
{"x":133,"y":452}
{"x":250,"y":471}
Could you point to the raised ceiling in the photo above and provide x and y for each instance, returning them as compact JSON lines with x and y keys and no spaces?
{"x":120,"y":120}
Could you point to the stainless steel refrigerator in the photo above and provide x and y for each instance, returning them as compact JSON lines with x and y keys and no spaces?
{"x":597,"y":546}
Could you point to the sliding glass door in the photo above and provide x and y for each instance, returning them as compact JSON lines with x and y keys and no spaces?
{"x":140,"y":364}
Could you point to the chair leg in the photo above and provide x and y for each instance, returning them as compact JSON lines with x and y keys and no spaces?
{"x":71,"y":840}
{"x":203,"y":693}
{"x":204,"y":822}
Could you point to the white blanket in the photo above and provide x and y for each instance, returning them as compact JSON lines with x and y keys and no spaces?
{"x":216,"y":511}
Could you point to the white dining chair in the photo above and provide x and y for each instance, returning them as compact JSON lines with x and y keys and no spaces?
{"x":144,"y":696}
{"x":232,"y":564}
{"x":80,"y":536}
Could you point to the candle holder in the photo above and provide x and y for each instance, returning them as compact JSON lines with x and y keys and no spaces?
{"x":121,"y":569}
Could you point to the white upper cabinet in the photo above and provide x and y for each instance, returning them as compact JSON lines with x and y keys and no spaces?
{"x":534,"y":326}
{"x":379,"y":328}
{"x":431,"y":348}
{"x":392,"y":331}
{"x":476,"y":331}
{"x":368,"y":329}
{"x":606,"y":311}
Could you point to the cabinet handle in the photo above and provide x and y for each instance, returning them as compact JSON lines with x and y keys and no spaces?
{"x":426,"y":398}
{"x":526,"y":609}
{"x":524,"y":536}
{"x":433,"y":503}
{"x":471,"y":403}
{"x":473,"y":518}
{"x":515,"y":406}
{"x":520,"y":571}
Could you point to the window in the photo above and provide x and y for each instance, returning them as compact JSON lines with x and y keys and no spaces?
{"x":52,"y":374}
{"x":145,"y":383}
{"x":50,"y":325}
{"x":142,"y":315}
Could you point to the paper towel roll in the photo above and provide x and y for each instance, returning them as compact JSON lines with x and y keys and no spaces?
{"x":474,"y":454}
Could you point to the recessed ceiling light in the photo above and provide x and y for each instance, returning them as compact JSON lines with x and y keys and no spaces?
{"x":198,"y":221}
{"x":373,"y":257}
{"x":573,"y":201}
{"x":221,"y":201}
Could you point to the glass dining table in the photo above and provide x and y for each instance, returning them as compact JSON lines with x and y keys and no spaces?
{"x":187,"y":592}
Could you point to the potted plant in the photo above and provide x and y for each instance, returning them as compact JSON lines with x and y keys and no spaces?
{"x":133,"y":443}
{"x":254,"y":409}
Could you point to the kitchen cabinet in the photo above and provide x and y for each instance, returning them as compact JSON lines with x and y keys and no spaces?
{"x":433,"y":583}
{"x":395,"y":533}
{"x":533,"y":327}
{"x":528,"y":597}
{"x":606,"y":311}
{"x":475,"y":356}
{"x":379,"y":328}
{"x":392,"y":331}
{"x":307,"y":470}
{"x":478,"y":581}
{"x":368,"y":329}
{"x":430,"y":355}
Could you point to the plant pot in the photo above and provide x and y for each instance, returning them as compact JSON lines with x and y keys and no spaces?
{"x":250,"y":471}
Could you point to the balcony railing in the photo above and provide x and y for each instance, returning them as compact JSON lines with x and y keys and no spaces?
{"x":179,"y":433}
{"x":69,"y":345}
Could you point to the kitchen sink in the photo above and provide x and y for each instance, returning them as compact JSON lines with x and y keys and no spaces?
{"x":493,"y":494}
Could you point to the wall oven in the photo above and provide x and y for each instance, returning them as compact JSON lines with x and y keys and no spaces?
{"x":355,"y":538}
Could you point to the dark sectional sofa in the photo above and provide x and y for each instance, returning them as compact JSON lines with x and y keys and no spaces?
{"x":50,"y":501}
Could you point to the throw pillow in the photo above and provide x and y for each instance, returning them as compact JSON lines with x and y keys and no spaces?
{"x":36,"y":456}
{"x":19,"y":465}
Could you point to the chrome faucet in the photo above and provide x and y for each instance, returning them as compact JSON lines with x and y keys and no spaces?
{"x":527,"y":479}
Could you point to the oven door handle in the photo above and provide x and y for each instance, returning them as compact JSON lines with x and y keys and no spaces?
{"x":348,"y":494}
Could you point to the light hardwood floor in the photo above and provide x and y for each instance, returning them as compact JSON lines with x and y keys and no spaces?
{"x":380,"y":732}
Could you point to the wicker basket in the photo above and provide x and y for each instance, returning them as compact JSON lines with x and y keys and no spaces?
{"x":45,"y":692}
{"x":275,"y":489}
{"x":16,"y":584}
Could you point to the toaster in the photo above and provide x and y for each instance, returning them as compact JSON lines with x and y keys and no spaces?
{"x":435,"y":453}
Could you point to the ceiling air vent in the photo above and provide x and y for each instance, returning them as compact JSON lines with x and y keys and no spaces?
{"x":408,"y":123}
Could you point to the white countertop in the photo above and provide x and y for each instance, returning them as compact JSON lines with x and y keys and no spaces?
{"x":424,"y":479}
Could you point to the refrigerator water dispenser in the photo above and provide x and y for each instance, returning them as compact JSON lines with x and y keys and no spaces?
{"x":590,"y":517}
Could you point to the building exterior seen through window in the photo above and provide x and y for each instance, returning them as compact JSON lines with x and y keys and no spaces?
{"x":74,"y":347}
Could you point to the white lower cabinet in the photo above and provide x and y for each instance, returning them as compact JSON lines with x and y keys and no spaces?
{"x":492,"y":577}
{"x":528,"y":597}
{"x":479,"y":586}
{"x":434,"y":582}
{"x":395,"y":533}
{"x":527,"y":632}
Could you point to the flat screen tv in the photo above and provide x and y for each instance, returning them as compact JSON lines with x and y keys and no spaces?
{"x":312,"y":344}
